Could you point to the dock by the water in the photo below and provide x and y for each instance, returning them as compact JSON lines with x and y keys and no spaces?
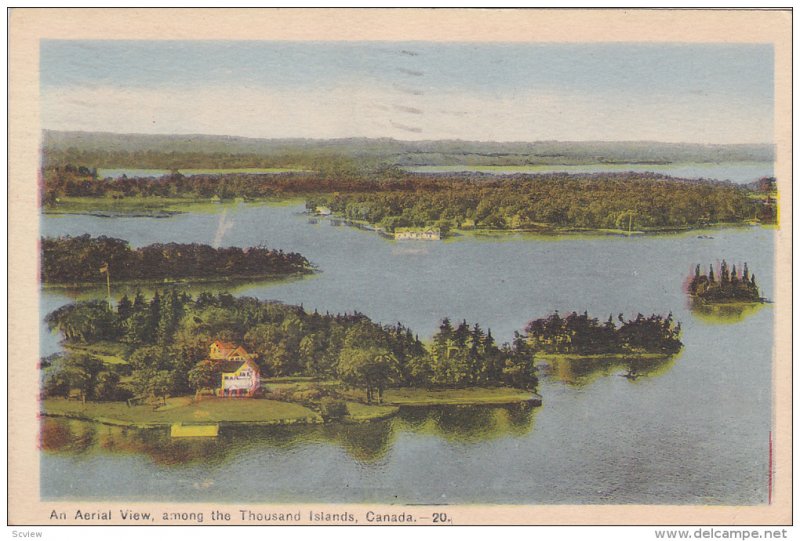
{"x":180,"y":430}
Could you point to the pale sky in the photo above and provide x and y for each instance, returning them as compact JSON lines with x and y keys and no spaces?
{"x":699,"y":93}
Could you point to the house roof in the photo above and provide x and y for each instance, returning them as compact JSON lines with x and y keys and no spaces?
{"x":224,"y":345}
{"x":228,"y":367}
{"x":417,"y":230}
{"x":240,"y":350}
{"x":228,"y":349}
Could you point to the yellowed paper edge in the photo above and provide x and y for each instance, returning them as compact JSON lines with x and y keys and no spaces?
{"x":28,"y":26}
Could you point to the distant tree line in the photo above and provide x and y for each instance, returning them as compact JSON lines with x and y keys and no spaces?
{"x":80,"y":259}
{"x":580,"y":334}
{"x":114,"y":150}
{"x":390,"y":197}
{"x":726,"y":285}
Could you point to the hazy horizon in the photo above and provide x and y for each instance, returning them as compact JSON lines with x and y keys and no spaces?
{"x":420,"y":91}
{"x":408,"y":141}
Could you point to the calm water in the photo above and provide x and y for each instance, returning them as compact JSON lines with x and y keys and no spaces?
{"x":739,"y":172}
{"x":691,"y":430}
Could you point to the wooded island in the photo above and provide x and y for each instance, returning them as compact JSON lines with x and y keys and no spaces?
{"x":86,"y":259}
{"x":731,"y":286}
{"x":174,"y":345}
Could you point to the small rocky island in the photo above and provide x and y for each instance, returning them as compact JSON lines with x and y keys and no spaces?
{"x":728,"y":287}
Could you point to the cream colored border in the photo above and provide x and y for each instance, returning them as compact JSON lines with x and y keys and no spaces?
{"x":28,"y":26}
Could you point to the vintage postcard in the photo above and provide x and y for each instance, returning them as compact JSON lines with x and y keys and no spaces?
{"x":420,"y":267}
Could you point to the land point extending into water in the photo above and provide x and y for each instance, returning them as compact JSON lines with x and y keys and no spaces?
{"x":295,"y":366}
{"x":389,"y":198}
{"x":265,"y":411}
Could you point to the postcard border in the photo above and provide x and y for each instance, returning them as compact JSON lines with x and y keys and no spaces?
{"x":28,"y":25}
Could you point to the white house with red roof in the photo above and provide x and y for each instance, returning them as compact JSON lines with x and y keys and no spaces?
{"x":239,"y":374}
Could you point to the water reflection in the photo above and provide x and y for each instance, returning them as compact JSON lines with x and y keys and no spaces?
{"x":580,"y":372}
{"x":469,"y":424}
{"x":74,"y":437}
{"x":365,"y":443}
{"x":79,"y":437}
{"x":725,"y":313}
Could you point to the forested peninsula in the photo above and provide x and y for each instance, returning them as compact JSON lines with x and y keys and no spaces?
{"x":87,"y":259}
{"x":369,"y":181}
{"x":612,"y":201}
{"x":159,"y":348}
{"x":391,"y":198}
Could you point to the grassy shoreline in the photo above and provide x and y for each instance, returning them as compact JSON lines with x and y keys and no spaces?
{"x":728,"y":302}
{"x":267,"y":412}
{"x":188,"y":280}
{"x":158,"y":206}
{"x":546,"y":229}
{"x":471,"y":396}
{"x":549,"y":357}
{"x":183,"y":410}
{"x":168,"y":206}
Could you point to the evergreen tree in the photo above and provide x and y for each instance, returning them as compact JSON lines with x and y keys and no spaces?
{"x":154,"y":310}
{"x":138,"y":328}
{"x":124,"y":308}
{"x":724,"y":275}
{"x":170,"y":313}
{"x":138,"y":300}
{"x":461,"y":334}
{"x":441,"y":340}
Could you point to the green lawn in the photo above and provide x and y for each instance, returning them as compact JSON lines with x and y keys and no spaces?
{"x":184,"y":410}
{"x":157,"y":205}
{"x":108,"y":352}
{"x":362,"y":412}
{"x":245,"y":170}
{"x":469,"y":396}
{"x":296,"y":383}
{"x":548,"y":357}
{"x":127,"y":204}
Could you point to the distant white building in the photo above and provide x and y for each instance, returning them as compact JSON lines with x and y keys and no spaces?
{"x":412,"y":233}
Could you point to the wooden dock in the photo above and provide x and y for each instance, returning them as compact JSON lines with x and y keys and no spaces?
{"x":180,"y":430}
